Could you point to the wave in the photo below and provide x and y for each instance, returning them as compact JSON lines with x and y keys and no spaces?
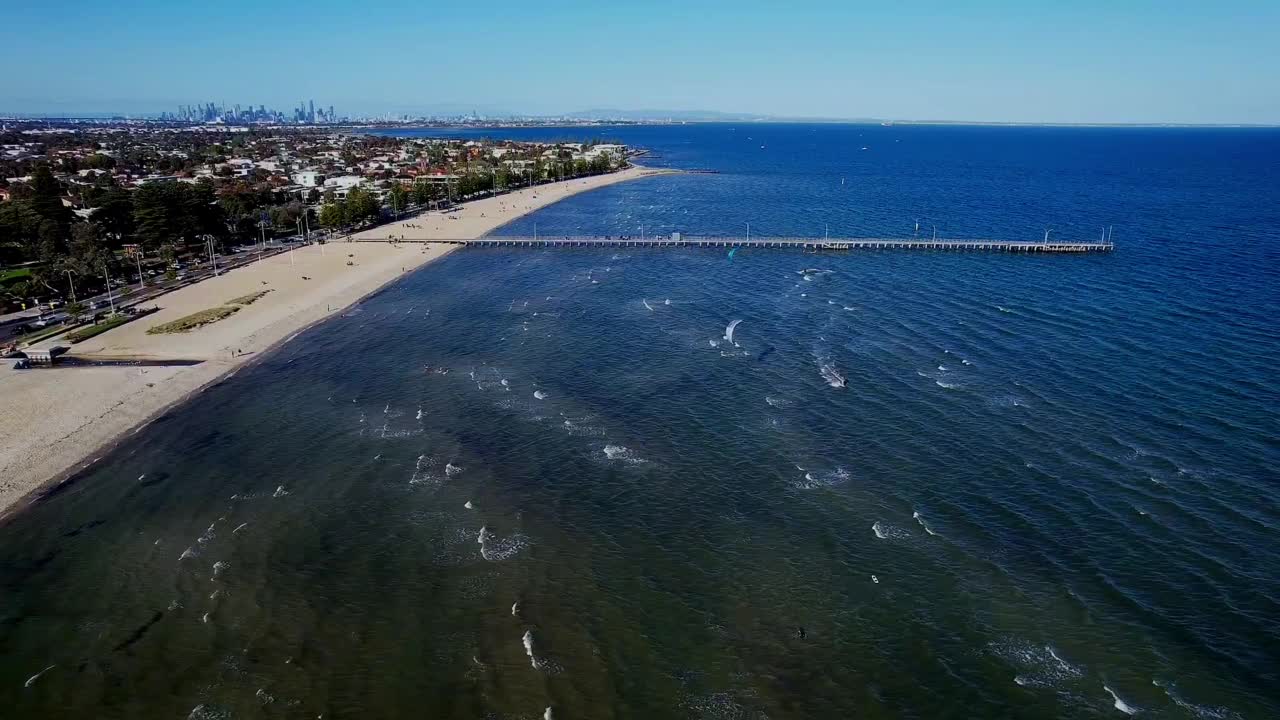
{"x":947,"y":385}
{"x":814,"y":479}
{"x":424,"y":472}
{"x":452,"y":470}
{"x":920,"y":520}
{"x":496,"y":549}
{"x":622,"y":454}
{"x":220,"y":567}
{"x":829,"y":373}
{"x":540,"y":394}
{"x":1120,"y":705}
{"x":728,"y":331}
{"x":582,"y":427}
{"x":1200,"y":711}
{"x":32,"y":679}
{"x":1037,"y":665}
{"x":280,"y":492}
{"x":885,"y":531}
{"x":714,"y":343}
{"x":646,"y":304}
{"x":778,"y":402}
{"x":527,"y":641}
{"x":190,"y":552}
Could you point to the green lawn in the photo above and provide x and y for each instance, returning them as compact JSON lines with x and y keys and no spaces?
{"x":12,"y":276}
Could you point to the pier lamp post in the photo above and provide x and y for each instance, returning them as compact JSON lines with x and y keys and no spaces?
{"x":1046,"y":235}
{"x":935,"y":230}
{"x":748,"y":232}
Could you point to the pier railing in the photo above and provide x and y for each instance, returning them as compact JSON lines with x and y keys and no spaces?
{"x":793,"y":243}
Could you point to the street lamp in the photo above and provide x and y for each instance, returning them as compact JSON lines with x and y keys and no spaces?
{"x":72,"y":284}
{"x":748,"y":232}
{"x":111,"y":298}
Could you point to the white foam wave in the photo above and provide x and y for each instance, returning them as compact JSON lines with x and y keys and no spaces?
{"x":778,"y":402}
{"x":280,"y":492}
{"x":540,"y":394}
{"x":1200,"y":711}
{"x":424,"y":472}
{"x":829,"y":373}
{"x":885,"y":531}
{"x":239,"y":527}
{"x":468,"y":505}
{"x":1120,"y":705}
{"x":947,"y":385}
{"x":220,"y":567}
{"x":714,"y":343}
{"x":188,"y":553}
{"x":452,"y":470}
{"x":32,"y":680}
{"x":920,"y":520}
{"x":622,"y":454}
{"x":527,"y":641}
{"x":1037,"y":665}
{"x":814,"y":479}
{"x":646,"y":304}
{"x":496,"y":549}
{"x":728,"y":331}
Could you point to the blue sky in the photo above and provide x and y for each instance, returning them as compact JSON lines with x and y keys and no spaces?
{"x":1085,"y":61}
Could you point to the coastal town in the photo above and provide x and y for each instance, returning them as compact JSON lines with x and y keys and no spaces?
{"x":85,"y":208}
{"x":147,"y":261}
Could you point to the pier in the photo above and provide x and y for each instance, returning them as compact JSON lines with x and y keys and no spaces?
{"x":676,"y":240}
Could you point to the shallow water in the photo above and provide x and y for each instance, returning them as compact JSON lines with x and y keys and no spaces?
{"x":1045,"y":489}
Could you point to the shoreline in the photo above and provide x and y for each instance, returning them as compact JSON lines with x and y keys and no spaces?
{"x":62,"y":423}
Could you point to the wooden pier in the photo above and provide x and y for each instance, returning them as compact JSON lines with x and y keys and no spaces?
{"x":677,"y":240}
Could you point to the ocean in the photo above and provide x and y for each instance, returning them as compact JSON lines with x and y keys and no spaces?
{"x":674,"y":484}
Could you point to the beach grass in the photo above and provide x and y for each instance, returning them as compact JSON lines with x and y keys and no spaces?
{"x":195,"y":320}
{"x":89,"y":331}
{"x":249,"y":299}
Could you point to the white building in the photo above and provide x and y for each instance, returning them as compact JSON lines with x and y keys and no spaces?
{"x":308,"y":178}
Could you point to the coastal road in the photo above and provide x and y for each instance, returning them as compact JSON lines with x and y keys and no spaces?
{"x":101,"y":302}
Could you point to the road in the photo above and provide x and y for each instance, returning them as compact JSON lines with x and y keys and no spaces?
{"x":10,"y":322}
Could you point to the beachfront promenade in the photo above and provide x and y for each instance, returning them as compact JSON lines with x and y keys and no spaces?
{"x":784,"y":243}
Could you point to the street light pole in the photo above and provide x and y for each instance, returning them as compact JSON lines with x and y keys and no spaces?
{"x":748,"y":232}
{"x":111,"y":298}
{"x":72,"y":284}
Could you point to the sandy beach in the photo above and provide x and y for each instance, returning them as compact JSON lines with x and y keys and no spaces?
{"x":57,"y":421}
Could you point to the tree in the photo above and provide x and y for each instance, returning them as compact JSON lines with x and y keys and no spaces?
{"x":333,"y":215}
{"x":398,"y":197}
{"x":46,"y":198}
{"x":362,"y":205}
{"x":115,"y":214}
{"x":86,"y":256}
{"x":173,"y":212}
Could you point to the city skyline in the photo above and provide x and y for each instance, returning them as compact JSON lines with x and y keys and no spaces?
{"x":1085,"y":63}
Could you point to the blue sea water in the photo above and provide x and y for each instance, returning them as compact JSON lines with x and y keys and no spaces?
{"x":1046,"y":488}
